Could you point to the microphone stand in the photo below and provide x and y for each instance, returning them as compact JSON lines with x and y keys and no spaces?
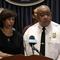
{"x":33,"y":48}
{"x":36,"y":50}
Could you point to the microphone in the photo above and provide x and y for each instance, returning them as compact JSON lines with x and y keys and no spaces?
{"x":32,"y":42}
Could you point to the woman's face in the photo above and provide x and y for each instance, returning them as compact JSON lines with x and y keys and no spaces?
{"x":9,"y":22}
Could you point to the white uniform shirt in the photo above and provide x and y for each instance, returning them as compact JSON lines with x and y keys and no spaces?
{"x":52,"y":40}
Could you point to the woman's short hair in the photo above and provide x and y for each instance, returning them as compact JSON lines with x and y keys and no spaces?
{"x":6,"y":13}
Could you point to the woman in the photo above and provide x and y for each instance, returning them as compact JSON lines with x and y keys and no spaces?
{"x":11,"y":42}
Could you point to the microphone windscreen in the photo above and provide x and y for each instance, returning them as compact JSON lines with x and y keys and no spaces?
{"x":32,"y":40}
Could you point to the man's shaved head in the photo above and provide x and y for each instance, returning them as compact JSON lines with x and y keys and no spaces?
{"x":43,"y":7}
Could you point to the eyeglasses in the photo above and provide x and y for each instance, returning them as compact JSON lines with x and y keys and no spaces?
{"x":43,"y":14}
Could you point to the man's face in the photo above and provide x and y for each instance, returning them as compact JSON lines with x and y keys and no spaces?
{"x":44,"y":17}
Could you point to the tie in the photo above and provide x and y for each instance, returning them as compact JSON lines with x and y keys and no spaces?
{"x":42,"y":47}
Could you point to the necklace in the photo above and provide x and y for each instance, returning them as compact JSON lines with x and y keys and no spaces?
{"x":8,"y":39}
{"x":8,"y":34}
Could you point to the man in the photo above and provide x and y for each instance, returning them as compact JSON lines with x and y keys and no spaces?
{"x":52,"y":34}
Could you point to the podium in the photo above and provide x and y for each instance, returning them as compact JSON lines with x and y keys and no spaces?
{"x":21,"y":57}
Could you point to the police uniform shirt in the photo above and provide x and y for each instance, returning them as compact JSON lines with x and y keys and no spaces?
{"x":52,"y":40}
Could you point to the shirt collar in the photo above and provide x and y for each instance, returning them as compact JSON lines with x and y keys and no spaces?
{"x":48,"y":28}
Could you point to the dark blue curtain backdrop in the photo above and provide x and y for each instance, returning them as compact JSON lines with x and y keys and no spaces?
{"x":24,"y":14}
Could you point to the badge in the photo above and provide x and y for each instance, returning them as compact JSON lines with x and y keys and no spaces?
{"x":54,"y":35}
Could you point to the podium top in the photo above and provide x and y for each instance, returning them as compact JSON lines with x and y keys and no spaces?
{"x":32,"y":57}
